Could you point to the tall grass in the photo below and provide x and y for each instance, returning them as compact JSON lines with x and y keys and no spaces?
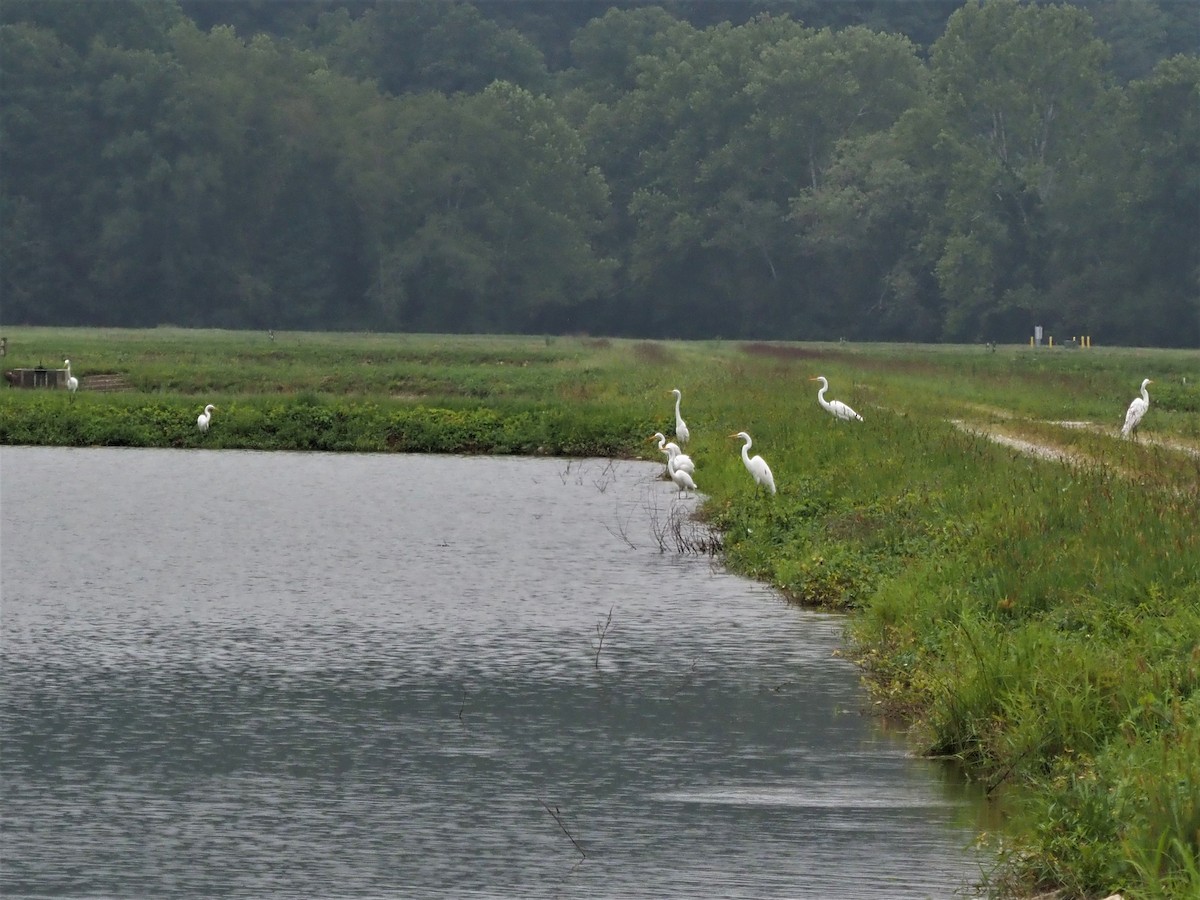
{"x":1039,"y":622}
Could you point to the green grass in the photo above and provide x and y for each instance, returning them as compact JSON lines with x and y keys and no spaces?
{"x":1038,"y":621}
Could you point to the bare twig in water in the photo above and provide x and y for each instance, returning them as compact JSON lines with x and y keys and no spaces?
{"x":622,"y":534}
{"x":463,"y":706}
{"x":607,"y":476}
{"x":558,"y":818}
{"x":622,"y":531}
{"x":656,"y":527}
{"x":682,"y":533}
{"x":600,"y":635}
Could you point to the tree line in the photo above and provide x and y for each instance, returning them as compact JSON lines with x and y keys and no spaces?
{"x":805,"y":170}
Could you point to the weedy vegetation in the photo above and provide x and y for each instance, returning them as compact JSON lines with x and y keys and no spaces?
{"x":1037,"y":620}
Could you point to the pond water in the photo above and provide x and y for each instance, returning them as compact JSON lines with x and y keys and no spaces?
{"x":246,"y":674}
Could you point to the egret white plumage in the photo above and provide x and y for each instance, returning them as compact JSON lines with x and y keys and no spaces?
{"x":681,"y":429}
{"x":72,"y":381}
{"x":837,"y":408}
{"x":680,"y":460}
{"x":756,"y":465}
{"x":1137,"y":409}
{"x":682,"y":480}
{"x":676,"y":458}
{"x":205,"y":417}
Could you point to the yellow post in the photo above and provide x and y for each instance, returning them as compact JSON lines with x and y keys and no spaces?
{"x":1031,"y":341}
{"x":1051,"y":340}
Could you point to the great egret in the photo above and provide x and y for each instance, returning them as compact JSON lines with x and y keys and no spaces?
{"x":1137,"y":409}
{"x":681,"y":429}
{"x":837,"y":408}
{"x":676,"y":458}
{"x":682,"y":480}
{"x":72,"y":381}
{"x":205,"y":417}
{"x":756,"y":465}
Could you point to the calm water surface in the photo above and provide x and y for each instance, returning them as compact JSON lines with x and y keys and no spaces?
{"x":239,"y":674}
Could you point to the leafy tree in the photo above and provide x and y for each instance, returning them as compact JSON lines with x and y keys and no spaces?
{"x":692,"y":106}
{"x":268,"y":239}
{"x":435,"y":45}
{"x":133,"y":24}
{"x":480,"y":210}
{"x":132,"y":169}
{"x":1132,"y":268}
{"x":607,"y":52}
{"x":817,"y":96}
{"x":252,"y":17}
{"x":1162,"y":204}
{"x":1135,"y":32}
{"x":1016,"y":89}
{"x":862,"y":229}
{"x":780,"y":168}
{"x":741,"y":122}
{"x":44,"y":146}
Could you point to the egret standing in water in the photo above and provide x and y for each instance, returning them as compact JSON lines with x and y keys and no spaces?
{"x":72,"y":381}
{"x":756,"y":465}
{"x":837,"y":408}
{"x":1137,"y":409}
{"x":205,"y":417}
{"x":681,"y":429}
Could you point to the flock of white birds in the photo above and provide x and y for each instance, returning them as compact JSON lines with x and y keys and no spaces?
{"x":682,"y":468}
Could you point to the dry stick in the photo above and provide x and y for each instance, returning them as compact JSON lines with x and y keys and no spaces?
{"x":622,"y":531}
{"x":558,"y":819}
{"x":607,"y":476}
{"x":601,"y":633}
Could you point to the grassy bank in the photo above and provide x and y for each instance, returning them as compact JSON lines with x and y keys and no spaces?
{"x":1038,"y":620}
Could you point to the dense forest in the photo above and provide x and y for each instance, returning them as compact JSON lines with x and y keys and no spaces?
{"x":813,"y":169}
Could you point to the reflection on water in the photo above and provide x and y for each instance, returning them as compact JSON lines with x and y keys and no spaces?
{"x":239,"y":674}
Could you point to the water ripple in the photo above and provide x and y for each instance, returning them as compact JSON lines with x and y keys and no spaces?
{"x":301,"y":675}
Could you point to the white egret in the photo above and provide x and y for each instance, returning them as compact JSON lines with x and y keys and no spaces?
{"x":756,"y":465}
{"x":681,"y":429}
{"x":205,"y":417}
{"x":680,"y":460}
{"x":682,"y":480}
{"x":1137,"y":409}
{"x":837,"y":408}
{"x":676,"y":458}
{"x":72,"y":381}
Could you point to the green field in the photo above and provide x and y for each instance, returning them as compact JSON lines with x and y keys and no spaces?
{"x":1038,"y":619}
